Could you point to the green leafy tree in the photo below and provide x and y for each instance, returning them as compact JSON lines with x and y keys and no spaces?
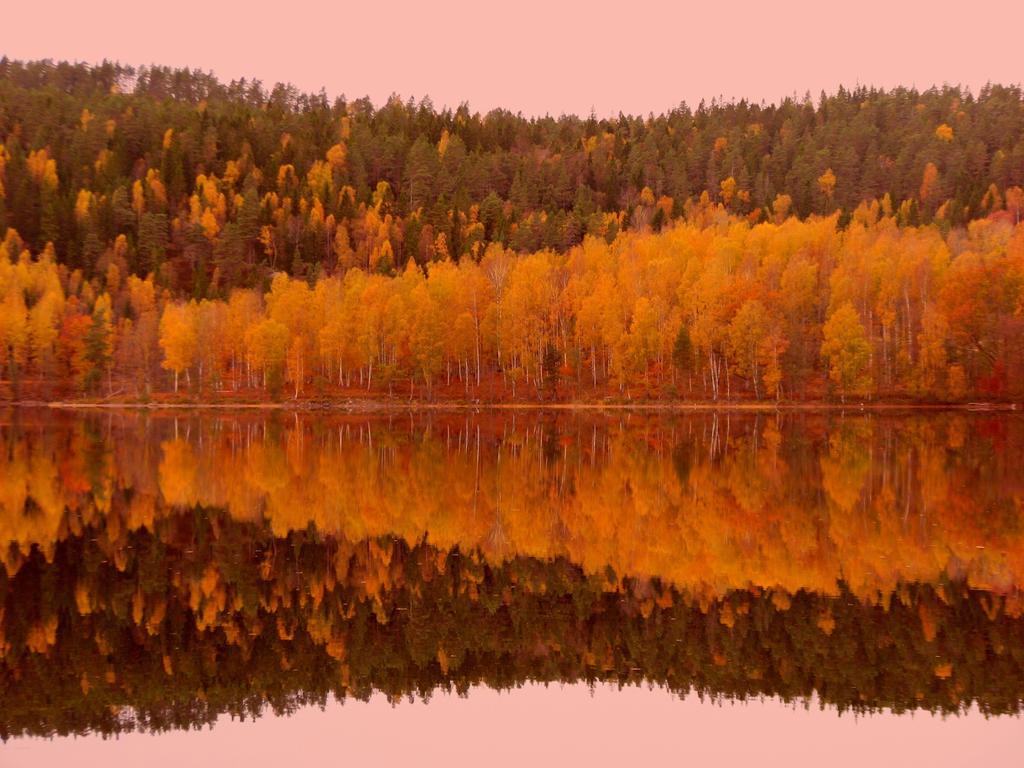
{"x":98,"y":347}
{"x":846,"y":349}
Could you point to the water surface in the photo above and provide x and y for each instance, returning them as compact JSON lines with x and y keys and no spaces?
{"x":161,"y":571}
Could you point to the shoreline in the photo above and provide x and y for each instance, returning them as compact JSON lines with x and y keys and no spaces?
{"x":384,"y":406}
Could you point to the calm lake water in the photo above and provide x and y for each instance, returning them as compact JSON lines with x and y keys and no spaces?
{"x":685,"y":577}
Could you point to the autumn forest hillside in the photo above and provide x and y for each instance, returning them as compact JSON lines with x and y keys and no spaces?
{"x":165,"y":235}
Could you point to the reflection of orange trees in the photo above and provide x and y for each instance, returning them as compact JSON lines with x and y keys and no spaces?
{"x":187,"y":567}
{"x":206,"y":614}
{"x":709,"y":503}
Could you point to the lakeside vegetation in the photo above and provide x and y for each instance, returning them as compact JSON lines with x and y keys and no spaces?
{"x":168,"y":237}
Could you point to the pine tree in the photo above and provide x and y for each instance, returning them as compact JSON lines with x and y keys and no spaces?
{"x":98,"y":345}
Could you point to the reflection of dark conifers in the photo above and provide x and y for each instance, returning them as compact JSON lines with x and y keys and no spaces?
{"x":235,"y":621}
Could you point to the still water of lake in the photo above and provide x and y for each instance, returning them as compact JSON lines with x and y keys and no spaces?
{"x":683,"y":584}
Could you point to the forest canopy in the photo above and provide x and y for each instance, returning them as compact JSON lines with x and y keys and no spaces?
{"x":866,"y":244}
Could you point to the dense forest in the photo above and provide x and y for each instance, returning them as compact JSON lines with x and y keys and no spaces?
{"x":161,"y":226}
{"x":157,"y":572}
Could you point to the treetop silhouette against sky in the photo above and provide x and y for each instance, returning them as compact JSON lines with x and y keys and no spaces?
{"x":547,"y":58}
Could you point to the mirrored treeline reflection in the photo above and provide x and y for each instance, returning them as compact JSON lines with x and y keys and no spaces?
{"x":161,"y":569}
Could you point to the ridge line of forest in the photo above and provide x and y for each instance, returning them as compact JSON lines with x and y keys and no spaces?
{"x":161,"y":229}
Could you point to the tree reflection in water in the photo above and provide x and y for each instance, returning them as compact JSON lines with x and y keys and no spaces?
{"x":159,"y":570}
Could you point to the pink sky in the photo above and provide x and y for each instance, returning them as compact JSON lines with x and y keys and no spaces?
{"x":553,"y":726}
{"x":543,"y":57}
